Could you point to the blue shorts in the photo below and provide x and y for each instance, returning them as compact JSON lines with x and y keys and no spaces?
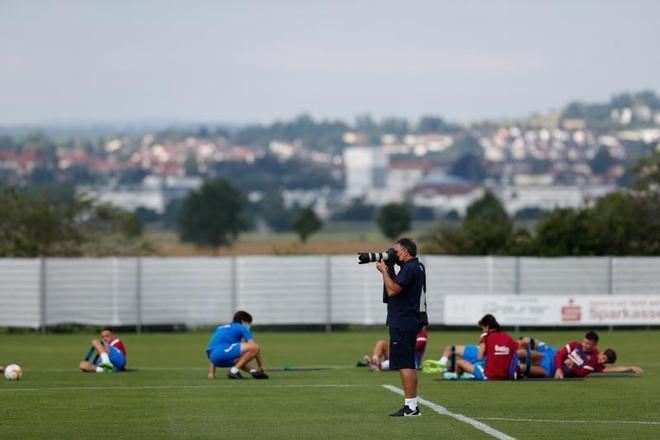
{"x":470,"y":353}
{"x":548,"y":361}
{"x":478,"y":371}
{"x":116,"y":357}
{"x":223,"y":355}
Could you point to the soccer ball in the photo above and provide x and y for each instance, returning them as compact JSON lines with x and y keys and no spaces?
{"x":13,"y":372}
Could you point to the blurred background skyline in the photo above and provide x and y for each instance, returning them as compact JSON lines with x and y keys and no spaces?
{"x":89,"y":62}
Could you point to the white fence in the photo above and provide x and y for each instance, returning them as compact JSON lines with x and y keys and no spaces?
{"x":298,"y":290}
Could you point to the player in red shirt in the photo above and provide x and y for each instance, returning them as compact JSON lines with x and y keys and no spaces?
{"x":575,"y":359}
{"x":110,"y":354}
{"x":498,"y":348}
{"x":580,"y":359}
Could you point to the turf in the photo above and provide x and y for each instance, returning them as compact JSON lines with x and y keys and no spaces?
{"x":168,"y":396}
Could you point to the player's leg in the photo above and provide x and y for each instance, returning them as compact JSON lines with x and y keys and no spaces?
{"x":464,"y":366}
{"x":87,"y":367}
{"x":117,"y":358}
{"x":101,"y":349}
{"x":247,"y":351}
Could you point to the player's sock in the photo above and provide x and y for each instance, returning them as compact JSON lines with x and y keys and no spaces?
{"x":233,"y":370}
{"x":411,"y":403}
{"x":253,"y":370}
{"x":89,"y":354}
{"x":105,"y":358}
{"x":100,"y":370}
{"x":444,"y":360}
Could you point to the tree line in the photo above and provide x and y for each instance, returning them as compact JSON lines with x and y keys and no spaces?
{"x":43,"y":223}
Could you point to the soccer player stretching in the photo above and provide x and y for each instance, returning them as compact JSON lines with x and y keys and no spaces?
{"x":499,"y":349}
{"x":225,"y":348}
{"x":110,"y":354}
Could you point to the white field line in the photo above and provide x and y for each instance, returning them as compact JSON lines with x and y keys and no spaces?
{"x":609,"y":422}
{"x":195,"y":368}
{"x":444,"y":411}
{"x":178,"y":387}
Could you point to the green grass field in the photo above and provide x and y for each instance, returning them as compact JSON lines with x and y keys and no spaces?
{"x":168,"y":395}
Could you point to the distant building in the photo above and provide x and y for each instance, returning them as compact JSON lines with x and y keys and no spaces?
{"x":444,"y":193}
{"x":518,"y":197}
{"x":154,"y":193}
{"x":366,"y":174}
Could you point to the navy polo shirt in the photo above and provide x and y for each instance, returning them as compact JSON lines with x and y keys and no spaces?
{"x":403,"y":309}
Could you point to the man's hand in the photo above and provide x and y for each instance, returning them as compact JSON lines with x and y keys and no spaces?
{"x":636,"y":370}
{"x":380,"y":265}
{"x":559,"y":374}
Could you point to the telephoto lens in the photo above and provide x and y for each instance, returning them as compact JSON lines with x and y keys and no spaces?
{"x":371,"y":257}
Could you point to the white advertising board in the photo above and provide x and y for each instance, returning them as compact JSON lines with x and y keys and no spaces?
{"x":553,"y":310}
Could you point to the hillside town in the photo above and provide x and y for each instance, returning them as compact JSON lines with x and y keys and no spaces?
{"x":560,"y":159}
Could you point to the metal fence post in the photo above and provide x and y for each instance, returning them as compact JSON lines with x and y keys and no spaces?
{"x":610,"y":281}
{"x":233,"y":284}
{"x":328,"y":294}
{"x":138,"y":294}
{"x":517,"y":276}
{"x":517,"y":283}
{"x":43,"y":314}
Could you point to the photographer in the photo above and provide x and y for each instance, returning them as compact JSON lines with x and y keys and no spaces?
{"x":406,"y":314}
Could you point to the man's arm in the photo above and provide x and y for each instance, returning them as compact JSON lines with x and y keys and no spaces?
{"x":633,"y":369}
{"x":559,"y":361}
{"x":392,"y":288}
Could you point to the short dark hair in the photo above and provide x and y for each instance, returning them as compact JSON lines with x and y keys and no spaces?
{"x":611,"y":355}
{"x":592,"y":336}
{"x":242,"y":316}
{"x":409,"y":245}
{"x":490,"y":322}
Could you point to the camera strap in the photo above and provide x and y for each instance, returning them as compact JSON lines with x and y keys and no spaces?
{"x":422,"y":302}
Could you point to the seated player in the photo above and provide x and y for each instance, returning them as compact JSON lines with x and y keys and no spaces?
{"x":226,"y":349}
{"x":500,"y":353}
{"x":449,"y":357}
{"x":380,"y":359}
{"x":109,"y":352}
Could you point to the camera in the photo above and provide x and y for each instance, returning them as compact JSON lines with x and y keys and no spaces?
{"x":388,"y":256}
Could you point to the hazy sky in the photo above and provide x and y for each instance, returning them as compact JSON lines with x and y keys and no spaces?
{"x":242,"y":61}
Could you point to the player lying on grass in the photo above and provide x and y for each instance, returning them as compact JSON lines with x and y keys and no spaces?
{"x":225,"y":349}
{"x":109,"y":354}
{"x":576,"y":359}
{"x":380,"y":360}
{"x":497,"y":357}
{"x":449,"y":357}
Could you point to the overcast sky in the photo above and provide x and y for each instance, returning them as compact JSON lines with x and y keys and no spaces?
{"x":256,"y":61}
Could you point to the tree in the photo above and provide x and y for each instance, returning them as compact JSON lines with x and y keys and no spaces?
{"x":212,"y":216}
{"x":305,"y":223}
{"x":45,"y":225}
{"x":601,"y":162}
{"x":394,"y":219}
{"x":431,"y":124}
{"x":486,"y":230}
{"x":274,"y":212}
{"x":469,"y":167}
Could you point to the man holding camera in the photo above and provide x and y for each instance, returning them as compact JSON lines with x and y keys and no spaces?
{"x":406,"y":314}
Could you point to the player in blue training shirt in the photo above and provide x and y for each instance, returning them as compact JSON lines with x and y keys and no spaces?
{"x":225,"y":349}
